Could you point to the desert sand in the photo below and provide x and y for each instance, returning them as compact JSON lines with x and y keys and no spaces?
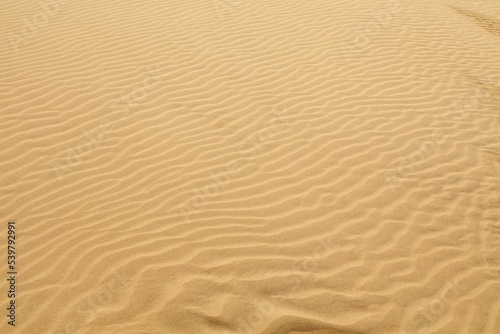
{"x":251,"y":166}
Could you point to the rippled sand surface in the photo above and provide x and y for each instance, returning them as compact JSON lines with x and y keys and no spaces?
{"x":251,"y":166}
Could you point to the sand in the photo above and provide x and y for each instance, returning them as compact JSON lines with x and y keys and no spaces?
{"x":251,"y":166}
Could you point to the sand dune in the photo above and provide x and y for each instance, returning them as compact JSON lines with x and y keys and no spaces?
{"x":251,"y":166}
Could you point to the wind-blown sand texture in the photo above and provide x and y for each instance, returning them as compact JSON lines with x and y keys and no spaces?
{"x":252,"y":166}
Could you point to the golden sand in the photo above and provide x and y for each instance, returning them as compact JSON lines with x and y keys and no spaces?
{"x":251,"y":166}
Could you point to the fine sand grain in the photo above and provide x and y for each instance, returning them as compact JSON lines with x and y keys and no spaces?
{"x":251,"y":166}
